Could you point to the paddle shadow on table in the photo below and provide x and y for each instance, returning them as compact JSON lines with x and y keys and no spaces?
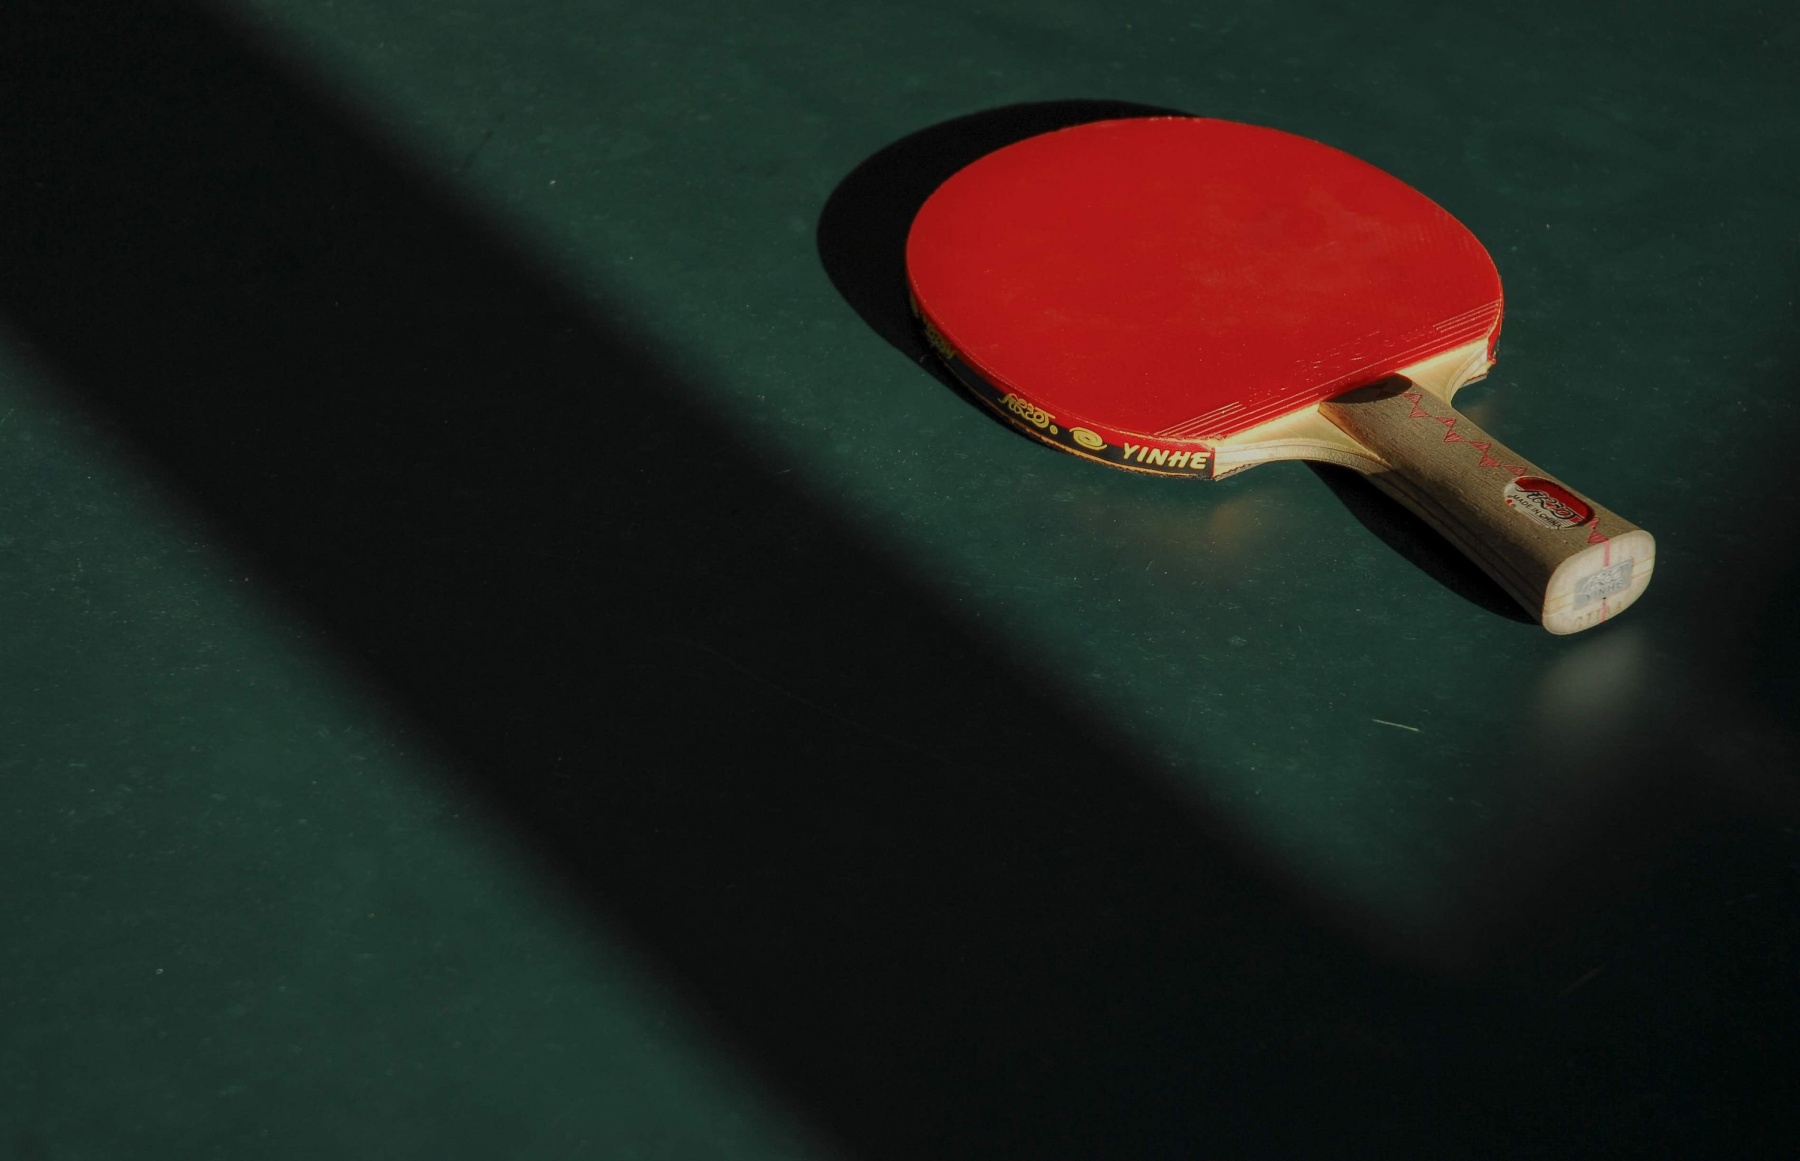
{"x":861,"y":239}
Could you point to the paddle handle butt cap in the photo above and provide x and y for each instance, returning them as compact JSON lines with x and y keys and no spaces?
{"x":1567,"y":560}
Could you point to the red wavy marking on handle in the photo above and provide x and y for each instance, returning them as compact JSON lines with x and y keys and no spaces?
{"x":1450,"y":436}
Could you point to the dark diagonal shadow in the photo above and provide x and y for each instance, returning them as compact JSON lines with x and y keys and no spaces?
{"x":861,"y":239}
{"x":934,"y":906}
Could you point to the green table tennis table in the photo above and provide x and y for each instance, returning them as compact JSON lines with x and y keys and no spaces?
{"x":514,"y":649}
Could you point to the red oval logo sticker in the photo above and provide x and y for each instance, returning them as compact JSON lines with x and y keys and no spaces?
{"x":1547,"y":502}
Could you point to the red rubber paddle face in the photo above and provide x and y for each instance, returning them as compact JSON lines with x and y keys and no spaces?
{"x":1183,"y":279}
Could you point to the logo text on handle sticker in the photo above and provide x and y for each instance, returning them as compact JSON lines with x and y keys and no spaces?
{"x":1547,"y":502}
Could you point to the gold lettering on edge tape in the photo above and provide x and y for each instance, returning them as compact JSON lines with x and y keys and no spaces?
{"x":1163,"y":461}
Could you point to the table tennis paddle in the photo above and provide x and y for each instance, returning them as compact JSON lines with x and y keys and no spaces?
{"x":1194,"y":297}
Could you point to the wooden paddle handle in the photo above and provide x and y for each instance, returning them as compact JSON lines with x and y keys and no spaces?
{"x":1568,"y":561}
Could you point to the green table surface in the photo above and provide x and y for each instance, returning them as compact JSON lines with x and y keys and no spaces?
{"x":511,"y":650}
